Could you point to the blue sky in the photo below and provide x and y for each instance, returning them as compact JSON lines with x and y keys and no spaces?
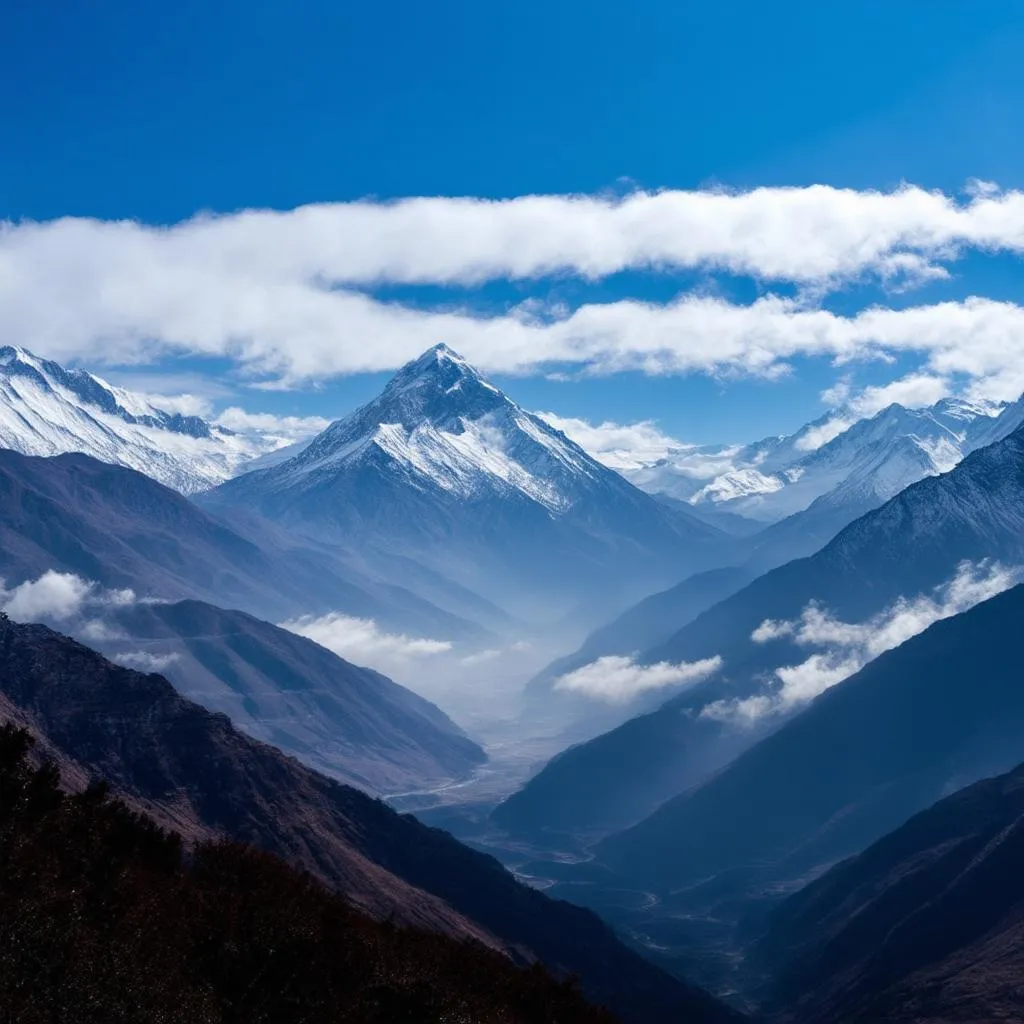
{"x":132,"y":111}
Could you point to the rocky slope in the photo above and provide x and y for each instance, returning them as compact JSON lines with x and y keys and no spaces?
{"x":926,"y":925}
{"x":351,"y":723}
{"x":192,"y":770}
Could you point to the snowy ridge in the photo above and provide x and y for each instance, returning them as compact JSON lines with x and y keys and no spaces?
{"x":838,"y":458}
{"x":48,"y":410}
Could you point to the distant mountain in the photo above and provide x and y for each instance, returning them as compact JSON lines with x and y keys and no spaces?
{"x":444,"y":471}
{"x":925,"y":925}
{"x":46,"y":409}
{"x":911,"y":544}
{"x":853,"y":474}
{"x":348,"y":722}
{"x":120,"y":528}
{"x":190,"y":769}
{"x":840,"y":458}
{"x":941,"y":711}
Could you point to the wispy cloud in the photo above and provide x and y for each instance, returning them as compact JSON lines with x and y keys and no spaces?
{"x":288,"y":428}
{"x":363,"y":642}
{"x":818,"y":436}
{"x":845,"y":647}
{"x":914,"y":391}
{"x":143,"y":661}
{"x":619,"y":445}
{"x":616,"y":679}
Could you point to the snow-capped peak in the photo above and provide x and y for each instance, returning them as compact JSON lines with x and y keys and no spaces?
{"x":46,"y":409}
{"x":449,"y":428}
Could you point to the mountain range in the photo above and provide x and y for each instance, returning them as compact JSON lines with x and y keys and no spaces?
{"x":443,"y":454}
{"x":842,"y":457}
{"x":815,"y":628}
{"x":911,"y":545}
{"x":852,"y":473}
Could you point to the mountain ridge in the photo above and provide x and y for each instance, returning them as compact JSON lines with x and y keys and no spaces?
{"x":46,"y":409}
{"x":348,"y":722}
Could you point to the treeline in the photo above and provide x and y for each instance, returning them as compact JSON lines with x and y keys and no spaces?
{"x":104,"y":918}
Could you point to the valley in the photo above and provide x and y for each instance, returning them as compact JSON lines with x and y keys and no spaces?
{"x":512,"y":513}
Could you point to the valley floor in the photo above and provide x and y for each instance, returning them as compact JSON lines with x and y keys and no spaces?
{"x":700,"y":946}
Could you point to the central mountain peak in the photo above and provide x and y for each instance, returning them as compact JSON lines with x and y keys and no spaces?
{"x":439,"y":423}
{"x":438,"y":392}
{"x":439,"y":387}
{"x":440,"y":356}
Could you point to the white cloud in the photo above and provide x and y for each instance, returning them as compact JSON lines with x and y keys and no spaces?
{"x":184,"y":404}
{"x":818,"y":436}
{"x":323,"y":334}
{"x":616,"y":679}
{"x":275,"y":291}
{"x":363,"y":642}
{"x":618,"y":445}
{"x":914,"y":391}
{"x":143,"y":661}
{"x":848,"y":647}
{"x":288,"y":428}
{"x":97,"y":631}
{"x":771,"y":629}
{"x":57,"y":597}
{"x":799,"y":234}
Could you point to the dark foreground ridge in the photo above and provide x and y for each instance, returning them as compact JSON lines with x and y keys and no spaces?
{"x":192,"y":771}
{"x":103,"y":919}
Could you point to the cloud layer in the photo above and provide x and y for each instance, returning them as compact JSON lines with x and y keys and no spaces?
{"x":58,"y":597}
{"x":805,"y":234}
{"x":279,"y":292}
{"x":363,"y":642}
{"x":845,"y":647}
{"x":616,"y":679}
